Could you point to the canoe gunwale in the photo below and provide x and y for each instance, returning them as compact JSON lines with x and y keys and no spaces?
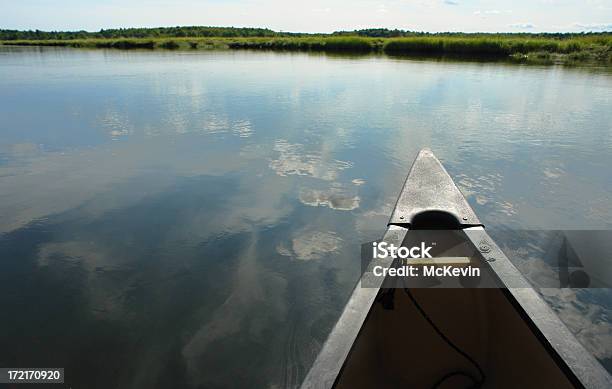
{"x":336,"y":349}
{"x":579,"y":366}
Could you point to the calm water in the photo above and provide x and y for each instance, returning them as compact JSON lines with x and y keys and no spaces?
{"x":185,"y":219}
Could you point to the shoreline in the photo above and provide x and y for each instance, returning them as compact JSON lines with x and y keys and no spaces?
{"x":580,"y":50}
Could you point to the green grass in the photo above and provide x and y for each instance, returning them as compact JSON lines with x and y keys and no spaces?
{"x":127,"y":43}
{"x":481,"y":46}
{"x":170,"y":45}
{"x":575,"y":48}
{"x":118,"y":44}
{"x":350,"y":44}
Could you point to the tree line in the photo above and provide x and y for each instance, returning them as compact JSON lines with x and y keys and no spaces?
{"x":395,"y":33}
{"x":157,"y":32}
{"x":232,"y":32}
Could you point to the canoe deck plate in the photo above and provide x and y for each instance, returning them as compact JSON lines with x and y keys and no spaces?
{"x":429,"y":188}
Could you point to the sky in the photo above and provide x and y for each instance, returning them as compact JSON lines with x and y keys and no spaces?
{"x":313,"y":15}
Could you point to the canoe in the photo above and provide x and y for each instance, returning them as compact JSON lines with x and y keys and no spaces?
{"x":477,"y":337}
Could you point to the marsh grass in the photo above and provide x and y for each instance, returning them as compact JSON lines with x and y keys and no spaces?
{"x":576,"y":48}
{"x":356,"y":44}
{"x":350,"y":43}
{"x":170,"y":45}
{"x":128,"y":44}
{"x":480,"y":46}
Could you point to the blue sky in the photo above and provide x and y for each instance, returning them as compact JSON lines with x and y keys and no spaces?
{"x":313,"y":15}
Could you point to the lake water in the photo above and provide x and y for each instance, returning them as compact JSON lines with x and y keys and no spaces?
{"x":184,"y":219}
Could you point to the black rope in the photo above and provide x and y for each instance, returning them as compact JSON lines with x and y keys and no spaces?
{"x":478,"y":383}
{"x":457,"y":373}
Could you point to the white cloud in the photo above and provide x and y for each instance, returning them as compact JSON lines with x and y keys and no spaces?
{"x":489,"y":12}
{"x":593,"y":26}
{"x":382,"y":9}
{"x":522,"y":26}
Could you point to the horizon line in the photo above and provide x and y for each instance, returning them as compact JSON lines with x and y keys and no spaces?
{"x":318,"y":33}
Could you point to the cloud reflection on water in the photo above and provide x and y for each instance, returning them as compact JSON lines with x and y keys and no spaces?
{"x":293,"y":159}
{"x":175,"y":240}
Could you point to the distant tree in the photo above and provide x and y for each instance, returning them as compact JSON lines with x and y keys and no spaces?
{"x":204,"y":31}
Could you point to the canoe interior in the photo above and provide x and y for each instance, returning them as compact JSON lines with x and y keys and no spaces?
{"x":397,"y":348}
